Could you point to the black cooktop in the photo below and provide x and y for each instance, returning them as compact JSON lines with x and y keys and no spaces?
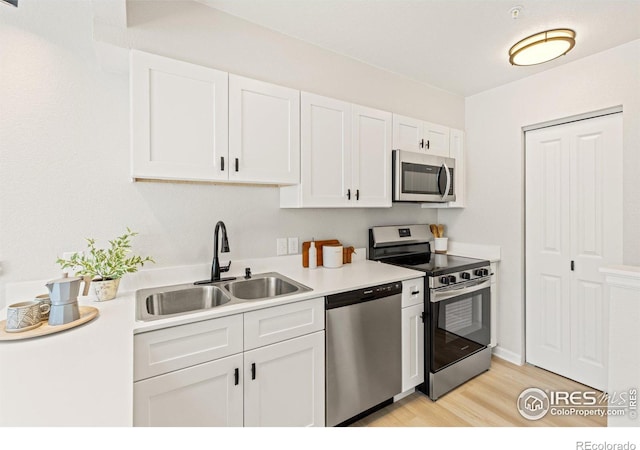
{"x":435,"y":264}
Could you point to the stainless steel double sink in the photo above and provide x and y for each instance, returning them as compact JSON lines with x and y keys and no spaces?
{"x":169,"y":301}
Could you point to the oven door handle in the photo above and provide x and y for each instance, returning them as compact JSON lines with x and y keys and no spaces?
{"x":440,"y":295}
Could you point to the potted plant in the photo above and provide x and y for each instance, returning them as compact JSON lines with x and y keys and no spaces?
{"x":106,"y":266}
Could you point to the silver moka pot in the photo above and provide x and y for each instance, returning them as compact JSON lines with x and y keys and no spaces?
{"x":64,"y":300}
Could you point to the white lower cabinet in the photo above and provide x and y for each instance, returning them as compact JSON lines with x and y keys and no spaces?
{"x":280,"y":383}
{"x":412,"y":333}
{"x":284,"y":383}
{"x":206,"y":395}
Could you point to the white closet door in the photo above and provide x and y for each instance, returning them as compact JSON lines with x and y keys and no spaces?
{"x":573,"y":227}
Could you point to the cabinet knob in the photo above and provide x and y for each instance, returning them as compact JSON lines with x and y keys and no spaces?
{"x":348,"y":194}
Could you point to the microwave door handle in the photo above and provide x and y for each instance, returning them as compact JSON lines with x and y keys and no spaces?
{"x":448,"y":184}
{"x":446,"y":191}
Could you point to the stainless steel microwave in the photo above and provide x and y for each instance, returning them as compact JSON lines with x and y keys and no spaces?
{"x":423,"y":178}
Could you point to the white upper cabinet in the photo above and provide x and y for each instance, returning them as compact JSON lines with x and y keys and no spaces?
{"x":420,"y":136}
{"x":456,"y":151}
{"x":345,"y":156}
{"x":325,"y":139}
{"x":199,"y":124}
{"x":371,"y":161}
{"x":179,"y":118}
{"x":264,"y":132}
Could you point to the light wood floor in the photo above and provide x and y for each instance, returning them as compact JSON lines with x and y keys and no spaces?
{"x":489,"y":400}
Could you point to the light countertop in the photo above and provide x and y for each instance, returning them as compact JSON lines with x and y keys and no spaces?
{"x":84,"y":376}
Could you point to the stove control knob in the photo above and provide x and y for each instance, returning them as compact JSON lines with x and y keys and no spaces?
{"x":465,"y":275}
{"x":444,"y":280}
{"x":485,"y":272}
{"x":452,"y":279}
{"x":477,"y":272}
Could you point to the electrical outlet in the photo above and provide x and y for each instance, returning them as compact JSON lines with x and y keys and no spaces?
{"x":281,"y":246}
{"x":293,"y":245}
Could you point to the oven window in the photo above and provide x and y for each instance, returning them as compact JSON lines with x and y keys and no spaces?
{"x":460,"y":326}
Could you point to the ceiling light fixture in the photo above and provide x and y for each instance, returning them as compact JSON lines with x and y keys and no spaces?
{"x":542,"y":47}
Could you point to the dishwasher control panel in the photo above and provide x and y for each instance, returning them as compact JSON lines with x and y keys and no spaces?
{"x":363,"y":295}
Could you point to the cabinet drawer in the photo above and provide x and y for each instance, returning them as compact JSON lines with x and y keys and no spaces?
{"x":170,"y":349}
{"x":412,"y":292}
{"x":271,"y":325}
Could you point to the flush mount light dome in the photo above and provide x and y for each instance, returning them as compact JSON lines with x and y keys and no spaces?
{"x":542,"y":47}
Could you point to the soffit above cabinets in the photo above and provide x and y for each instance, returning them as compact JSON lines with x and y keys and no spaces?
{"x":460,"y":46}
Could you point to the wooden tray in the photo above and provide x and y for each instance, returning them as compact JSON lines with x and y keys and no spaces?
{"x":319,"y":244}
{"x":87,"y":313}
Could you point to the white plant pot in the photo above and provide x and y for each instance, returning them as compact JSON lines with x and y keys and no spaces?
{"x":105,"y":289}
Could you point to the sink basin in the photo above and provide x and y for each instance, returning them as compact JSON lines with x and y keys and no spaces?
{"x":264,"y":286}
{"x":160,"y":303}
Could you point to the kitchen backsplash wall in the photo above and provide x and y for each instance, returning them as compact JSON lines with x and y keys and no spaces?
{"x":64,"y":142}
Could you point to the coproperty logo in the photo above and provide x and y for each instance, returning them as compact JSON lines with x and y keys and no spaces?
{"x":534,"y":403}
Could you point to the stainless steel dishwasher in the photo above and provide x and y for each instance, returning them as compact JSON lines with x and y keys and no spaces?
{"x":363,"y":345}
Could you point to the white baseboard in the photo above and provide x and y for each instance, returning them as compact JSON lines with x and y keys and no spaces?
{"x":508,"y":355}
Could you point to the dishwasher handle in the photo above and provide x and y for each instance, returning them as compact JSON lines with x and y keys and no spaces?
{"x":362,"y":295}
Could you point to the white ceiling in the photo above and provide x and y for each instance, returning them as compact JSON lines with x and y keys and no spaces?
{"x":457,"y":45}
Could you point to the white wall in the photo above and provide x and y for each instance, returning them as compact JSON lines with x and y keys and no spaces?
{"x":64,"y":137}
{"x":495,"y":177}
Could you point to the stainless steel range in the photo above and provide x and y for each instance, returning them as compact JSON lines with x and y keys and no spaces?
{"x":457,"y":317}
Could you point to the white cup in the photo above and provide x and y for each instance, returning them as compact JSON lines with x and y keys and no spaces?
{"x":25,"y":315}
{"x":332,"y":256}
{"x":44,"y":300}
{"x":441,"y":245}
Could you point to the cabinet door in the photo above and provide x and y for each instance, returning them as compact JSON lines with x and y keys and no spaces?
{"x":264,"y":132}
{"x":412,"y":346}
{"x":207,"y":395}
{"x":456,"y":150}
{"x":284,"y":383}
{"x":371,"y":159}
{"x":325,"y":151}
{"x":179,"y":120}
{"x":436,"y":139}
{"x":407,"y":134}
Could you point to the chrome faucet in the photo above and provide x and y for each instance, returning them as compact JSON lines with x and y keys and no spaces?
{"x":215,"y":265}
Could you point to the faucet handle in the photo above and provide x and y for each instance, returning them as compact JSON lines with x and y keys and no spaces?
{"x":225,"y":268}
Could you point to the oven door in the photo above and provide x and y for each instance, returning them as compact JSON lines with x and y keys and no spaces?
{"x":459,"y":322}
